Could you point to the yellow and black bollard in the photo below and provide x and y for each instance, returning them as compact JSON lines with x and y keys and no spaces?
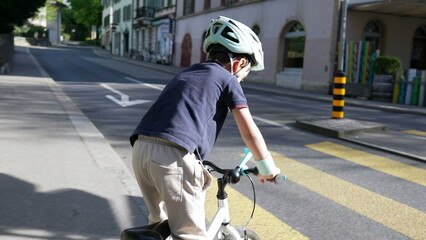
{"x":339,"y":92}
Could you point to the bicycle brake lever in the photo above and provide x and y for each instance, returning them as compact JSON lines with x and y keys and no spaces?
{"x":246,"y":158}
{"x":208,"y":168}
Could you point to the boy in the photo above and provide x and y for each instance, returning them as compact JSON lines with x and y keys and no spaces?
{"x":181,"y":127}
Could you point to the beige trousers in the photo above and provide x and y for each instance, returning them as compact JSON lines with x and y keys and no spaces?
{"x":173,"y":184}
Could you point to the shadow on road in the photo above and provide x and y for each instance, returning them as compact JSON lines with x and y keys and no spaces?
{"x":60,"y":214}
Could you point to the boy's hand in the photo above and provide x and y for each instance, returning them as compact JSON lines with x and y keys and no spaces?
{"x":267,"y":169}
{"x":267,"y":178}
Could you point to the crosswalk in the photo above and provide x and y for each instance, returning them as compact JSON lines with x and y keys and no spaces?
{"x":265,"y":224}
{"x":399,"y":217}
{"x":416,"y":132}
{"x":373,"y":161}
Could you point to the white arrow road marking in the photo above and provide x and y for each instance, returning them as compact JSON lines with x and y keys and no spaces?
{"x":124,"y":99}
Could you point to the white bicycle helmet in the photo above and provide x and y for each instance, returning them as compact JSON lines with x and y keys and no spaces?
{"x":236,"y":37}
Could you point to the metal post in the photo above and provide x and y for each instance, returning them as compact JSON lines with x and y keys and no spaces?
{"x":339,"y":92}
{"x":342,"y":37}
{"x":339,"y":82}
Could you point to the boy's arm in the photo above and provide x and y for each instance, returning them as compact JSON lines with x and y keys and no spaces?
{"x":250,"y":133}
{"x":253,"y":138}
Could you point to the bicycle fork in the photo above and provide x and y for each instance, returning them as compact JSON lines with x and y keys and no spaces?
{"x":222,"y":217}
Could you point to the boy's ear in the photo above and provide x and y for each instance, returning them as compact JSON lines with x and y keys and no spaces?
{"x":240,"y":63}
{"x":244,"y":62}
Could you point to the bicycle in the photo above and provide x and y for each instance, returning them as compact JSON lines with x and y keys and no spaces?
{"x":220,"y":227}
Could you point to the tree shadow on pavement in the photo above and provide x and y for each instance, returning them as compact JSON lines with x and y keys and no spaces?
{"x":61,"y":214}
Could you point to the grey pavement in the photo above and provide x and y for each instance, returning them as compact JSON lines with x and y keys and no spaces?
{"x":370,"y":134}
{"x":59,"y":178}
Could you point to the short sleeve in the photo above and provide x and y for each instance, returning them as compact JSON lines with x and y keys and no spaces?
{"x":234,"y":95}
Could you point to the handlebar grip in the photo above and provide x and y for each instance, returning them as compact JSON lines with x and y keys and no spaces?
{"x":278,"y":179}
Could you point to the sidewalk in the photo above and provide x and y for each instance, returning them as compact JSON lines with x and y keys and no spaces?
{"x":59,"y":177}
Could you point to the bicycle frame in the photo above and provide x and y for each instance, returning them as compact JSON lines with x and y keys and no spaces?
{"x":220,"y":227}
{"x":222,"y":218}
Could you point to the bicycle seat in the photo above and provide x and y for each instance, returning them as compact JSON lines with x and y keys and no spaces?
{"x":155,"y":231}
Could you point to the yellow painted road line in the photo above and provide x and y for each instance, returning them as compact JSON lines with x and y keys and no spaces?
{"x":390,"y":213}
{"x":416,"y":132}
{"x":391,"y":167}
{"x":265,"y":224}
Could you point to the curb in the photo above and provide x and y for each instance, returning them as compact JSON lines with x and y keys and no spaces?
{"x":338,"y":128}
{"x":348,"y":102}
{"x":385,"y":149}
{"x":344,"y":128}
{"x":126,"y":60}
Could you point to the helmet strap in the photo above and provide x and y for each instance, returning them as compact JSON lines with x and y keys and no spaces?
{"x":231,"y":60}
{"x":242,"y":70}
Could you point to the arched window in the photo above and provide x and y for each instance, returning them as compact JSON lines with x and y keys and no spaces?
{"x":373,"y":33}
{"x":185,"y":58}
{"x":294,"y":46}
{"x":418,"y":51}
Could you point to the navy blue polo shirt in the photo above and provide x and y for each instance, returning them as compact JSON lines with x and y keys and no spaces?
{"x":192,"y":108}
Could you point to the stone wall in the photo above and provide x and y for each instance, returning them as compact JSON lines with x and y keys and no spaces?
{"x":6,"y":52}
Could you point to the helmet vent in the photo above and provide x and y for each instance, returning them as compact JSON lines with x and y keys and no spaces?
{"x":229,"y":34}
{"x":207,"y":34}
{"x":216,"y":28}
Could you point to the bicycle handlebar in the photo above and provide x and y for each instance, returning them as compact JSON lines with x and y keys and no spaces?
{"x":233,"y":175}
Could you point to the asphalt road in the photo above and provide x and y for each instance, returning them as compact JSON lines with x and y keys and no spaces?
{"x":336,"y":190}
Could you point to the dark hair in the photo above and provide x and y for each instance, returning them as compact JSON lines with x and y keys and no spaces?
{"x":219,"y":53}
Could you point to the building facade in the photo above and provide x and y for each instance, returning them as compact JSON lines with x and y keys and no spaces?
{"x":51,"y":23}
{"x":300,"y":37}
{"x":141,"y":29}
{"x":54,"y":27}
{"x":153,"y":24}
{"x":397,"y":30}
{"x":107,"y":27}
{"x":117,"y":26}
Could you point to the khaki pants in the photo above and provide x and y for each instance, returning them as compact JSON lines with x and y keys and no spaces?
{"x":173,"y":184}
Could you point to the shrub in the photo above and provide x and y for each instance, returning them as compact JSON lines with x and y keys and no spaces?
{"x":387,"y":65}
{"x":31,"y":31}
{"x":93,"y":42}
